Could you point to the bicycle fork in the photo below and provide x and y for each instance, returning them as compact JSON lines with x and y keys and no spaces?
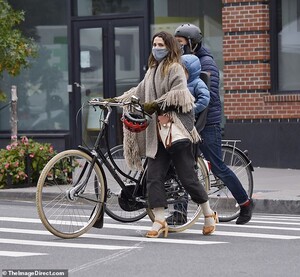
{"x":78,"y":188}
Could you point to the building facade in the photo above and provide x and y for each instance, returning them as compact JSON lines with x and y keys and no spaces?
{"x":99,"y":48}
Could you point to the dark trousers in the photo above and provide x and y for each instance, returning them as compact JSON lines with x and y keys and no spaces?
{"x":212,"y":151}
{"x":183,"y":160}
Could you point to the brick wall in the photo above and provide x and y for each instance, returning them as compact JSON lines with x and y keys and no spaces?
{"x":247,"y":80}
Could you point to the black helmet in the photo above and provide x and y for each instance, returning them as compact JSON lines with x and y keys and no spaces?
{"x":190,"y":32}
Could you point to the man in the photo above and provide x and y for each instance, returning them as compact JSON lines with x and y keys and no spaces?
{"x":190,"y":37}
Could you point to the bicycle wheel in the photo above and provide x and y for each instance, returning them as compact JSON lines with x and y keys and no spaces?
{"x":180,"y":203}
{"x":64,"y":213}
{"x":221,"y":199}
{"x":113,"y":208}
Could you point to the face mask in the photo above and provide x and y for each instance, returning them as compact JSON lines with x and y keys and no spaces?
{"x":185,"y":49}
{"x":159,"y":53}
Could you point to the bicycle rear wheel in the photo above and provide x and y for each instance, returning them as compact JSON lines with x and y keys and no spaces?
{"x":113,"y":208}
{"x":64,"y":213}
{"x":186,"y":211}
{"x":221,"y":199}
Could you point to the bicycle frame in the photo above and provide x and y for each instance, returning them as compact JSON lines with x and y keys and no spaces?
{"x":98,"y":155}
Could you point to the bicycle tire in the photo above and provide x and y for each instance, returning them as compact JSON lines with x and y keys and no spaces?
{"x":193,"y":210}
{"x":221,"y":199}
{"x":63,"y":215}
{"x":112,"y":208}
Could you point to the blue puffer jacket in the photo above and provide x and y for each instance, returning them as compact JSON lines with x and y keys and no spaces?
{"x":208,"y":64}
{"x":196,"y":86}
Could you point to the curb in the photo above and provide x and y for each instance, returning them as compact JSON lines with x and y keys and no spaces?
{"x":16,"y":195}
{"x":273,"y":206}
{"x":276,"y":206}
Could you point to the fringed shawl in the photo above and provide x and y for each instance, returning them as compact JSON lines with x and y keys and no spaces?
{"x":169,"y":90}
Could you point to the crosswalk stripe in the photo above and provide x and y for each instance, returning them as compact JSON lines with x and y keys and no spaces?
{"x":19,"y":254}
{"x":234,"y":234}
{"x":277,"y":217}
{"x":64,"y":244}
{"x":112,"y":237}
{"x":138,"y":227}
{"x":275,"y":222}
{"x":259,"y":227}
{"x":225,"y":225}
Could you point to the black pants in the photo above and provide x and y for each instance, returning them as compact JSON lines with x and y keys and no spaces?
{"x":183,"y":159}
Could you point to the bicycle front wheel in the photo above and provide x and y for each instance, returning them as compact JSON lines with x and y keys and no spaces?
{"x":113,"y":207}
{"x":221,"y":199}
{"x":184,"y":213}
{"x":70,"y":194}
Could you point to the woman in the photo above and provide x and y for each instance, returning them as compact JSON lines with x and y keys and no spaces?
{"x":164,"y":89}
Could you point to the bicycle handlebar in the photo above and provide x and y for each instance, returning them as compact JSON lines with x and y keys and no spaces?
{"x":102,"y":103}
{"x":134,"y":103}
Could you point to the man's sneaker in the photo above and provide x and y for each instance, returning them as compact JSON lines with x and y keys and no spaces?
{"x":177,"y":218}
{"x":245,"y":213}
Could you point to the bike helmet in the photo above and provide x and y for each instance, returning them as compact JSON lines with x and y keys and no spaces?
{"x":190,"y":32}
{"x":135,"y":122}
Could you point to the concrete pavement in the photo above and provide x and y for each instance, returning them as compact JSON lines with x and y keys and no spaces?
{"x":275,"y":191}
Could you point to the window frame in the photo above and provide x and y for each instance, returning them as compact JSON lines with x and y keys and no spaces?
{"x":275,"y":10}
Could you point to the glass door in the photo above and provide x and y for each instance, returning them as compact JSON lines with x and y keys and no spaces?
{"x":108,"y":60}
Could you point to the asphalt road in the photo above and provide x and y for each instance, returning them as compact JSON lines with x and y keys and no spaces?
{"x":267,"y":246}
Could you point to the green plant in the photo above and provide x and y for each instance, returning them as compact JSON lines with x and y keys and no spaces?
{"x":23,"y":160}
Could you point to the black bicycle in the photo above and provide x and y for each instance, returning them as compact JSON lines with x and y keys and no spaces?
{"x":78,"y":185}
{"x":220,"y":197}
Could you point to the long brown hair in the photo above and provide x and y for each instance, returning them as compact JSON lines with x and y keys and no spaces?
{"x":174,"y":51}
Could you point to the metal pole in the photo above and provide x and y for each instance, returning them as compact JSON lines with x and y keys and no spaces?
{"x":14,"y":115}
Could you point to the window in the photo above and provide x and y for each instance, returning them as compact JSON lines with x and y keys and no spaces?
{"x":288,"y":45}
{"x":43,"y":102}
{"x":169,"y":14}
{"x":102,"y":7}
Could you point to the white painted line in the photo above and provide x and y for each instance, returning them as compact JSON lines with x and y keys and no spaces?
{"x":20,"y":254}
{"x":258,"y":227}
{"x":112,"y":237}
{"x":138,"y":227}
{"x":193,"y":231}
{"x":275,"y":222}
{"x":64,"y":244}
{"x":256,"y":235}
{"x":277,"y":217}
{"x":20,"y":219}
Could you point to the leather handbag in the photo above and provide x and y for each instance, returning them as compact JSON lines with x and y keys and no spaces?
{"x":168,"y":131}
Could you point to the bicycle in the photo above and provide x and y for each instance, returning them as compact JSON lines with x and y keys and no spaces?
{"x":221,"y":199}
{"x":73,"y":189}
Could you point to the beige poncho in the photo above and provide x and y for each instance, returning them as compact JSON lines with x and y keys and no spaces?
{"x":170,"y":90}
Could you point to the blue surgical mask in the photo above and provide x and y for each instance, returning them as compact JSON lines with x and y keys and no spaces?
{"x":159,"y":53}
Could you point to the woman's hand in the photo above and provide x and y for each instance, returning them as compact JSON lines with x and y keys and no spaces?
{"x":110,"y":100}
{"x":150,"y":107}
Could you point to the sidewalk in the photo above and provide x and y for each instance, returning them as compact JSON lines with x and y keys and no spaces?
{"x":275,"y":191}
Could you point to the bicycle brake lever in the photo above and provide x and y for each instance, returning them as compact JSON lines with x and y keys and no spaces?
{"x":138,"y":107}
